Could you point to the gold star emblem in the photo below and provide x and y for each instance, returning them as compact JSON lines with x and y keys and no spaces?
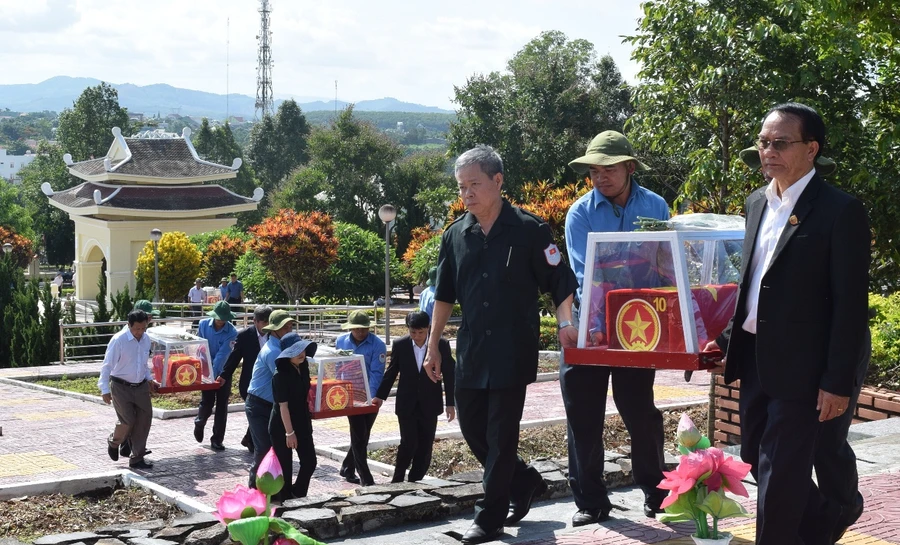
{"x":638,"y":327}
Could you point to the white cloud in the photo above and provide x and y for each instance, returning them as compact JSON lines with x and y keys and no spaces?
{"x":414,"y":52}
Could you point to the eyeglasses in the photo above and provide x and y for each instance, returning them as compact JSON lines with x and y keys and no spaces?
{"x":777,"y":145}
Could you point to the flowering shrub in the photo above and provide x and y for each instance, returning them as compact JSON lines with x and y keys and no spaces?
{"x":219,"y":258}
{"x":298,"y":249}
{"x":247,"y":512}
{"x":179,"y":265}
{"x":22,"y":248}
{"x":697,"y":486}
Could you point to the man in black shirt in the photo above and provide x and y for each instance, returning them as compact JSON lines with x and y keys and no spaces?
{"x":494,"y":260}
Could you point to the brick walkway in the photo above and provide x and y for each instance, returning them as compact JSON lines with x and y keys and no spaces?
{"x":48,"y":436}
{"x":879,"y":524}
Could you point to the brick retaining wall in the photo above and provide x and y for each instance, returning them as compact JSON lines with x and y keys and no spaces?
{"x":874,"y":404}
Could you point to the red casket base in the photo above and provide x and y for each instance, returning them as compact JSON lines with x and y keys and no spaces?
{"x":341,"y":394}
{"x":185,"y":374}
{"x":604,"y":356}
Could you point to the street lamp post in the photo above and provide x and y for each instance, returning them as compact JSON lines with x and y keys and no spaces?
{"x":155,"y":235}
{"x":7,"y":248}
{"x":387,"y":213}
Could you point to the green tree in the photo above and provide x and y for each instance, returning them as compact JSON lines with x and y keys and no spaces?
{"x":355,"y":158}
{"x":702,"y":97}
{"x":219,"y":146}
{"x":53,"y":228}
{"x":278,"y":144}
{"x":85,"y":129}
{"x":419,"y":186}
{"x":258,"y":282}
{"x":539,"y":115}
{"x":358,"y":274}
{"x":12,"y":214}
{"x":301,"y":191}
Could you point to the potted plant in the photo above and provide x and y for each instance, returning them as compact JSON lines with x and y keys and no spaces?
{"x":247,"y":512}
{"x":697,"y":486}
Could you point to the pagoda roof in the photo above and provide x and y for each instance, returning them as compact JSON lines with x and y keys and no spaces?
{"x":160,"y":161}
{"x":138,"y":201}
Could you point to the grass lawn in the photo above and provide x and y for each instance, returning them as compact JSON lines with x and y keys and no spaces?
{"x":180,"y":400}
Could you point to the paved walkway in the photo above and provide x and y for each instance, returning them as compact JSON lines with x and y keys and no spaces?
{"x":46,"y":436}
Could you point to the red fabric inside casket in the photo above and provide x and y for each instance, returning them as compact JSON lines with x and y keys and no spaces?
{"x":650,"y":319}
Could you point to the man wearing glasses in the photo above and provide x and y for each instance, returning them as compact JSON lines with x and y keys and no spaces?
{"x":800,"y":326}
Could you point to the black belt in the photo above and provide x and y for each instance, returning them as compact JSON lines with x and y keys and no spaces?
{"x":260,"y":400}
{"x":117,"y":380}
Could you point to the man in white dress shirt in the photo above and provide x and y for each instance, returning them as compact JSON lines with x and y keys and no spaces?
{"x":126,"y":382}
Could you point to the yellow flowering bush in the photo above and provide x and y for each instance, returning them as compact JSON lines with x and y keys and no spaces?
{"x":179,"y":265}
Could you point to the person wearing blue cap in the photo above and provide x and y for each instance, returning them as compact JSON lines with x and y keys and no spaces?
{"x":290,"y":427}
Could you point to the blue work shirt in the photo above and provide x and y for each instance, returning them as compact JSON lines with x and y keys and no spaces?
{"x":375,"y":353}
{"x":594,"y":213}
{"x":223,"y":291}
{"x":220,"y":342}
{"x":235,"y":290}
{"x":264,"y":368}
{"x":426,"y":301}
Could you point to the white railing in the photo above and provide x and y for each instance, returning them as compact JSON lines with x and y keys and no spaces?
{"x":321,"y":323}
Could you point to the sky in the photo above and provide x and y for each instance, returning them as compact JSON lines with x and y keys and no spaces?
{"x":412,"y":51}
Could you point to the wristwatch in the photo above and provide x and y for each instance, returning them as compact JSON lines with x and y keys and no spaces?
{"x":564,"y":324}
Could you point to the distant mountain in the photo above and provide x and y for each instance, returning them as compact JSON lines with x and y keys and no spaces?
{"x":60,"y":92}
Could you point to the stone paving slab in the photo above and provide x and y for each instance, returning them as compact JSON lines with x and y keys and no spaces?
{"x":46,"y":436}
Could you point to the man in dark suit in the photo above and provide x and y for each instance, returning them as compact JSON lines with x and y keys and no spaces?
{"x":800,"y":326}
{"x":246,"y":348}
{"x":419,"y":400}
{"x":835,"y":462}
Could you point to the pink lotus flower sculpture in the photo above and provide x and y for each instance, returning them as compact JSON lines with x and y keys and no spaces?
{"x":247,"y":512}
{"x":269,"y":479}
{"x":242,"y":502}
{"x":697,"y":486}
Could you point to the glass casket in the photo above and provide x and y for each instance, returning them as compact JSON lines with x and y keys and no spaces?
{"x":339,"y":386}
{"x":655,"y":298}
{"x":179,"y":360}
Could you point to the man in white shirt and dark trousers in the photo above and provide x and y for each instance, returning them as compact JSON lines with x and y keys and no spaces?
{"x":126,"y":382}
{"x":197,"y":297}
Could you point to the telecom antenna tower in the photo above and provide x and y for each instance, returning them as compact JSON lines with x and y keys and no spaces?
{"x":264,"y":100}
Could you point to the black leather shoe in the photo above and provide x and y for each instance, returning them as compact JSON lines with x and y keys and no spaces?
{"x":477,"y":534}
{"x":349,"y":477}
{"x":113,"y":452}
{"x":125,"y":449}
{"x":652,"y":509}
{"x":520,"y":507}
{"x":247,"y":441}
{"x":847,"y":518}
{"x":141,"y":464}
{"x":215,"y":445}
{"x":589,"y":516}
{"x":198,"y":432}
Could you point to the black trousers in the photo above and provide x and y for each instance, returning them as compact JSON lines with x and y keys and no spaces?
{"x":584,"y":390}
{"x":258,"y":412}
{"x":218,"y":398}
{"x":306,"y":453}
{"x":357,"y":459}
{"x":835,"y":462}
{"x":778,"y":440}
{"x":416,"y":444}
{"x":489,"y":421}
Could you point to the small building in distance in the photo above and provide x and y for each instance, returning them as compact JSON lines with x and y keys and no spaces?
{"x":10,"y":165}
{"x":142,"y":184}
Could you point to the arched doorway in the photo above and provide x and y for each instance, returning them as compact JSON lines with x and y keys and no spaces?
{"x":87,"y":275}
